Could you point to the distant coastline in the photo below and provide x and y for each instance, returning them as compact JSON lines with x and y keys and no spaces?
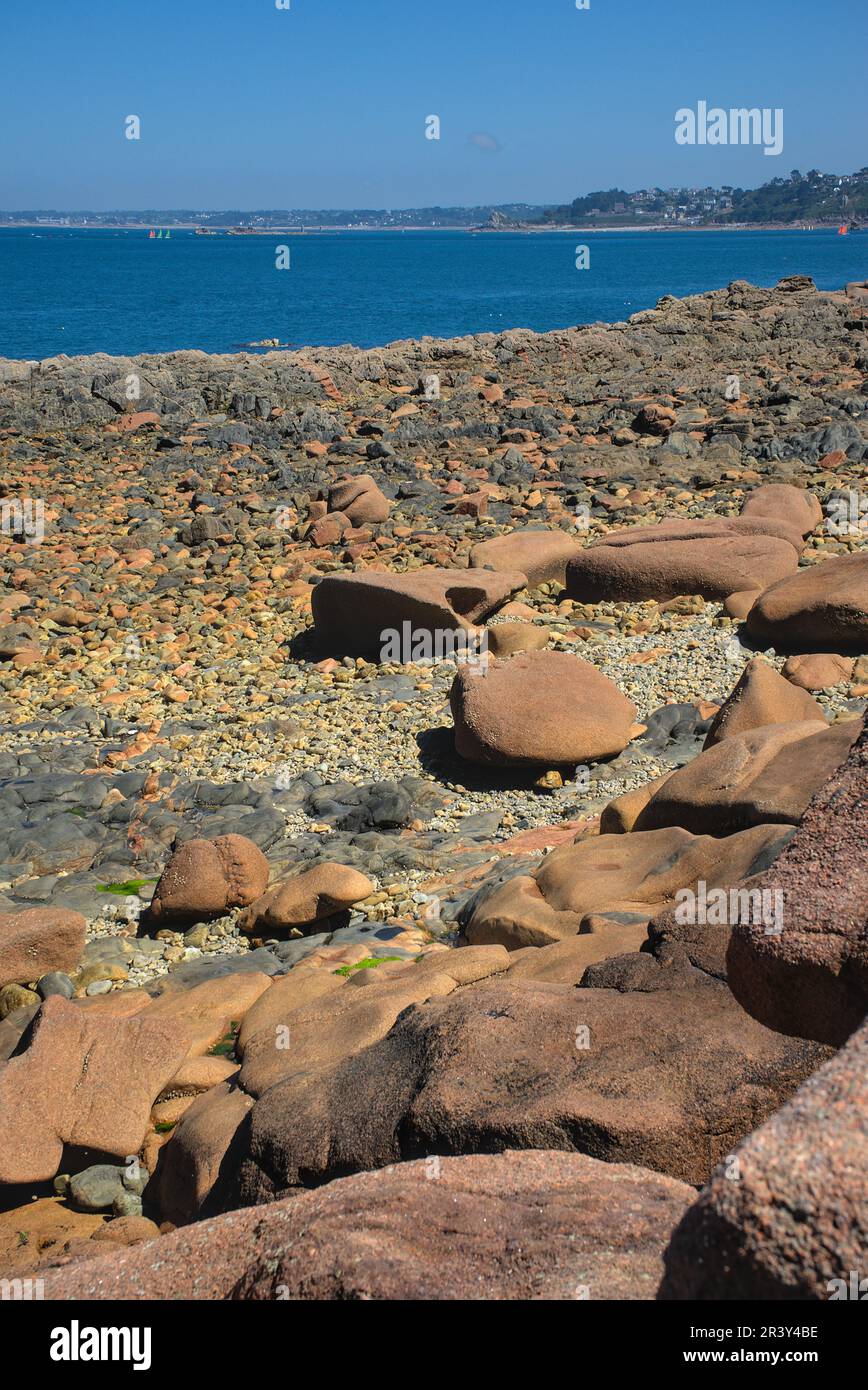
{"x":802,"y":202}
{"x":6,"y":225}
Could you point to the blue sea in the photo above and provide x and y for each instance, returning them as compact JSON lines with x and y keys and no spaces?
{"x":82,"y":291}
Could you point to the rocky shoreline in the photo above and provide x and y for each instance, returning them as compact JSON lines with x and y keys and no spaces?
{"x":293,"y":904}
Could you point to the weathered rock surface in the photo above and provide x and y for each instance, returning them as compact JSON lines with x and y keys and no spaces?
{"x":790,"y":1219}
{"x":203,"y":1142}
{"x":565,"y":962}
{"x":714,"y":558}
{"x":206,"y":1013}
{"x":817,"y":670}
{"x":786,"y":504}
{"x":540,"y":555}
{"x":87,"y":1080}
{"x":205,"y":878}
{"x":621,"y":814}
{"x":635,"y":874}
{"x":304,"y":984}
{"x":503,"y":1226}
{"x":198,"y":1074}
{"x":767,"y":775}
{"x":53,"y":1229}
{"x":307,"y":899}
{"x":670,"y":1080}
{"x":127,"y":1230}
{"x":352,"y":611}
{"x":811,"y":980}
{"x":336,"y":1024}
{"x":761,"y":697}
{"x":359,"y":499}
{"x":506,"y":639}
{"x":37,"y":940}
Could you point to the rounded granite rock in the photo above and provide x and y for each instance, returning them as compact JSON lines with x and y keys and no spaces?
{"x":824,"y":608}
{"x":539,"y":709}
{"x":205,"y":878}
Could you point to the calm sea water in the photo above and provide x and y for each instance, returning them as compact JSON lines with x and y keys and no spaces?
{"x":78,"y":291}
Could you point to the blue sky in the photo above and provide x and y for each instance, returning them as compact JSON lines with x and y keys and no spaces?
{"x":243,"y":105}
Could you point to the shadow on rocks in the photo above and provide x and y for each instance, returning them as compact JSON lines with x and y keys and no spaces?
{"x":438,"y":758}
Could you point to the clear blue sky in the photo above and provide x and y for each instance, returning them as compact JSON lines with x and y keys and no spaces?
{"x":323,"y":106}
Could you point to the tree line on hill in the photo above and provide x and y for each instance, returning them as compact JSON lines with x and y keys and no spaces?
{"x":799,"y":198}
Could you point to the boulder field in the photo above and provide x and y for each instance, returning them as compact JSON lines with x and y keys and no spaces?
{"x":433,"y":830}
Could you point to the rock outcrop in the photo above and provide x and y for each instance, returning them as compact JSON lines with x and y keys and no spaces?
{"x":581,"y":888}
{"x":504,"y":1226}
{"x":787,"y":1215}
{"x":669,"y":1080}
{"x":767,"y":775}
{"x":811,"y":979}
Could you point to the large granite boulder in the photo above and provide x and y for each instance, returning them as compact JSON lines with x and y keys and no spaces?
{"x":786,"y":1217}
{"x":35,"y":941}
{"x":670,"y":1080}
{"x":486,"y":1226}
{"x":760,"y":697}
{"x":766,"y":775}
{"x":539,"y":554}
{"x":359,"y":499}
{"x":306,"y":899}
{"x":352,"y":612}
{"x":821,"y":608}
{"x":811,"y":979}
{"x":713,"y":557}
{"x":782,"y":502}
{"x":539,"y":708}
{"x":207,"y":878}
{"x":818,"y":670}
